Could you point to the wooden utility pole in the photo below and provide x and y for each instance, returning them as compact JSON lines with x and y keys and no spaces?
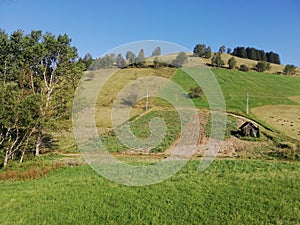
{"x":247,"y":104}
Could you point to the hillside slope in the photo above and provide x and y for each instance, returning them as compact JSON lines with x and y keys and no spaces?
{"x":264,"y":89}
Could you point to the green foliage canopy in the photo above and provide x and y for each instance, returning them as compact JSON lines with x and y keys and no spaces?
{"x":216,"y":60}
{"x":180,"y":59}
{"x":289,"y":69}
{"x":232,"y":63}
{"x":38,"y":75}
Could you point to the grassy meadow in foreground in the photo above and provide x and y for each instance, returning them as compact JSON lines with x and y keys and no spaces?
{"x":229,"y":192}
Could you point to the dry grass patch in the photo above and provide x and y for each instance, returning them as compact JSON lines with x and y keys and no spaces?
{"x":115,"y":84}
{"x":285,"y":118}
{"x":295,"y":98}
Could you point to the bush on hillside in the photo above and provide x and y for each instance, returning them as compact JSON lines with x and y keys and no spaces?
{"x":263,"y":66}
{"x":244,"y":68}
{"x":232,"y":63}
{"x":289,"y":69}
{"x":195,"y":92}
{"x":216,"y":60}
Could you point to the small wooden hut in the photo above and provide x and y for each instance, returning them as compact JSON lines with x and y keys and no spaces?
{"x":248,"y":129}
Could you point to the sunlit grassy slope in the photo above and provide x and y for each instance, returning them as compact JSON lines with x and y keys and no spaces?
{"x":263,"y":88}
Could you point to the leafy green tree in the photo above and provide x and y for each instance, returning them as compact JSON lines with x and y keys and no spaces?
{"x":289,"y":69}
{"x":263,"y":66}
{"x":240,"y":52}
{"x":228,"y":50}
{"x":207,"y":53}
{"x":195,"y":92}
{"x":270,"y":57}
{"x":60,"y":73}
{"x":109,"y":60}
{"x":19,"y":67}
{"x":18,"y":117}
{"x":252,"y":53}
{"x":201,"y":50}
{"x":222,"y":49}
{"x":40,"y":72}
{"x":232,"y":63}
{"x":217,"y":60}
{"x":156,"y":51}
{"x":262,"y":55}
{"x":131,"y":57}
{"x":6,"y":57}
{"x":273,"y":57}
{"x":180,"y":59}
{"x":141,"y":60}
{"x":87,"y":61}
{"x":120,"y":61}
{"x":105,"y":62}
{"x":277,"y":59}
{"x":255,"y":54}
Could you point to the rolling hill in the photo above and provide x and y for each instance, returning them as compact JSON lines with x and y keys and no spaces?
{"x":264,"y":90}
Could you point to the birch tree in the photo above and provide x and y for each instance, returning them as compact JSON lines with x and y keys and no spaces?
{"x":38,"y":76}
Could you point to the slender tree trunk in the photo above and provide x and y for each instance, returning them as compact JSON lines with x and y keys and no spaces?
{"x":38,"y":143}
{"x":10,"y":151}
{"x":6,"y":159}
{"x":26,"y":136}
{"x":22,"y":156}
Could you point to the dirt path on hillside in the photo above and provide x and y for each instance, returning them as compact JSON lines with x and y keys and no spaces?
{"x":232,"y":147}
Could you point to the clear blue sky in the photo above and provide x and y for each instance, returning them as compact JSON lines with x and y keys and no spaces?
{"x":100,"y":25}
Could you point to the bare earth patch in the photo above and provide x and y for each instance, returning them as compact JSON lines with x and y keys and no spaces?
{"x":232,"y":147}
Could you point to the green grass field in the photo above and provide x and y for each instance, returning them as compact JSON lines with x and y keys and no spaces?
{"x":140,"y":128}
{"x":263,"y":88}
{"x":229,"y":192}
